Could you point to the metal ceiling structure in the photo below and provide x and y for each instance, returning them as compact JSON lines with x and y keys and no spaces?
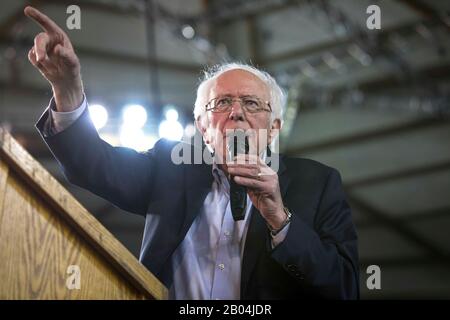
{"x":375,"y":104}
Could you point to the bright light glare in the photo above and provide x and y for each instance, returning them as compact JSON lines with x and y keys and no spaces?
{"x":134,"y":115}
{"x":172,"y":130}
{"x":136,"y":139}
{"x":172,"y":115}
{"x":187,"y":31}
{"x":99,"y":115}
{"x":189,"y":131}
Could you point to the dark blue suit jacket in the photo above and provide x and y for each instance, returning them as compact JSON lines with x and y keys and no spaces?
{"x":317,"y":259}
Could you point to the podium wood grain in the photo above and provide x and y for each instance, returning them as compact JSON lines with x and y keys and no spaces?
{"x":44,"y":230}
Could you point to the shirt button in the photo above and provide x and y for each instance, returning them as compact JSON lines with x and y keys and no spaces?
{"x":221,"y":266}
{"x":291,"y":267}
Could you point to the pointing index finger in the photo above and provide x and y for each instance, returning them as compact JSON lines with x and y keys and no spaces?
{"x":45,"y":22}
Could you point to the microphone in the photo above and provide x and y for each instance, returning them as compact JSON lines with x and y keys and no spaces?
{"x":237,"y":144}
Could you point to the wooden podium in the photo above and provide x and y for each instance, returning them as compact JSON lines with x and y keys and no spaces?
{"x":51,"y":247}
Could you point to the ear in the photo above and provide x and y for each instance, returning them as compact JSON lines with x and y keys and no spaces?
{"x":274,"y":130}
{"x":201,"y":124}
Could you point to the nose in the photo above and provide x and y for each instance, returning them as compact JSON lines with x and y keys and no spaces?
{"x":237,"y":112}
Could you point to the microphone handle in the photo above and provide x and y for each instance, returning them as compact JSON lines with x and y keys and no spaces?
{"x":238,"y":200}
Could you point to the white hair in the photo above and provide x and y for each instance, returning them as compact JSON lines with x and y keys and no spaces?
{"x":276,"y":93}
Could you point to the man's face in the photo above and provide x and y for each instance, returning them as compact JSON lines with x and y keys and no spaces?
{"x":238,"y":83}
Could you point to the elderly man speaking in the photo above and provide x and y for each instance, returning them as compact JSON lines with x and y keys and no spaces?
{"x":296,"y":239}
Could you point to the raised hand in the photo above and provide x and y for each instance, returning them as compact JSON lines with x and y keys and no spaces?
{"x":53,"y":55}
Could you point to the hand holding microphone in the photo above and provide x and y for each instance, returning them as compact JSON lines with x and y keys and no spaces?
{"x":250,"y":175}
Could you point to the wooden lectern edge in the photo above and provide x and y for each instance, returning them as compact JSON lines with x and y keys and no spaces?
{"x":80,"y":218}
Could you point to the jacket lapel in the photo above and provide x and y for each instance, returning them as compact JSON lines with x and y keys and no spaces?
{"x":257,"y":234}
{"x":198,"y":183}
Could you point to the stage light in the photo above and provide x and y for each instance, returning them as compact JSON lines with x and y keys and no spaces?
{"x":134,"y":115}
{"x":360,"y":55}
{"x":172,"y":130}
{"x":188,"y":32}
{"x":99,"y":115}
{"x":171,"y":114}
{"x":135,"y":138}
{"x":308,"y":70}
{"x":189,"y":130}
{"x":331,"y":60}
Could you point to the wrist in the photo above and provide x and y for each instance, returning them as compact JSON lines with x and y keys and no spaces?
{"x":283,"y":218}
{"x":68,"y":98}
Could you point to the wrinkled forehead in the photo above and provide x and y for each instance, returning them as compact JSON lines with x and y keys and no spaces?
{"x":238,"y":83}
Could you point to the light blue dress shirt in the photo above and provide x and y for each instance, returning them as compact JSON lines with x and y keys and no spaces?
{"x":207,"y":264}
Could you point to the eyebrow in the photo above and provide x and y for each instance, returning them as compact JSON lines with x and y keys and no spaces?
{"x":240,"y":96}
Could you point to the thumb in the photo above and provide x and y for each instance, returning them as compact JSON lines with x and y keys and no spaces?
{"x":59,"y":50}
{"x":65,"y":54}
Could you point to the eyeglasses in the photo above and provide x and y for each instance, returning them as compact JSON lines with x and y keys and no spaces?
{"x":250,"y":104}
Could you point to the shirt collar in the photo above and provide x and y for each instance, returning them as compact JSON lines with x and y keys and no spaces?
{"x":220,"y":178}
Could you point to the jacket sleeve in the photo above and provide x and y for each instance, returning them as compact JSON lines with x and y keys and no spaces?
{"x":324,"y":257}
{"x":120,"y":175}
